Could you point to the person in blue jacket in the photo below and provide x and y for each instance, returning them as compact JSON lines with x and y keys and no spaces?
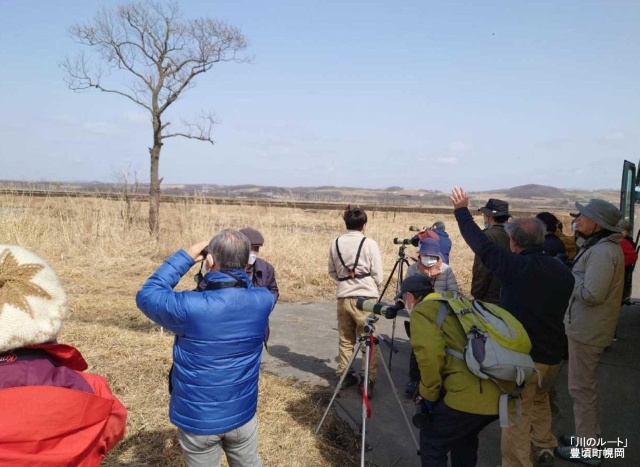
{"x":443,"y":240}
{"x":217,"y":350}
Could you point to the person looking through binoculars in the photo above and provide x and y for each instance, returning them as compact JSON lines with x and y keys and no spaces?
{"x":355,"y":264}
{"x":430,"y":264}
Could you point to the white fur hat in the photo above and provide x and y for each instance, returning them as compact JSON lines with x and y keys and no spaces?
{"x":33,"y":303}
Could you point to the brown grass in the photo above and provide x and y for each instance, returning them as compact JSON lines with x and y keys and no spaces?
{"x":102,"y":260}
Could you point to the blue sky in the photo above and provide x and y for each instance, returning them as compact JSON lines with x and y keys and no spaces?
{"x":418,"y":94}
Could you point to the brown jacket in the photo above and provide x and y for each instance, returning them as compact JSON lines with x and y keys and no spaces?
{"x":569,"y":243}
{"x":484,"y":286}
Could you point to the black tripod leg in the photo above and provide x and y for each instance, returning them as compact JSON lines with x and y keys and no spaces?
{"x":402,"y":262}
{"x":386,"y":285}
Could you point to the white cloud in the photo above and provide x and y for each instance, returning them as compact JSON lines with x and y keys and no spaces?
{"x":136,"y":117}
{"x":459,"y":147}
{"x":64,"y":119}
{"x":446,"y":160}
{"x":615,"y":136}
{"x":100,"y":128}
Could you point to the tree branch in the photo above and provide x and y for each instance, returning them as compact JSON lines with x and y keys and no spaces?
{"x":201,"y":131}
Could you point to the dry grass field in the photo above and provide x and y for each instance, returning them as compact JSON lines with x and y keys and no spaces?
{"x":103,"y":253}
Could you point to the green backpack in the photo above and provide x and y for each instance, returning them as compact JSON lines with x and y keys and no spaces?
{"x":497,"y":345}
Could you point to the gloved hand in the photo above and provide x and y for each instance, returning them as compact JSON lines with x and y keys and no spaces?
{"x":422,"y":415}
{"x":427,"y":405}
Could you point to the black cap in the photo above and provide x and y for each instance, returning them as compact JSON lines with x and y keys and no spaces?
{"x":550,"y":221}
{"x":255,"y":237}
{"x":417,"y":284}
{"x":495,"y":208}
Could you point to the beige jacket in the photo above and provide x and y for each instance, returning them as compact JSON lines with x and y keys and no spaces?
{"x":592,"y":315}
{"x":370,"y":262}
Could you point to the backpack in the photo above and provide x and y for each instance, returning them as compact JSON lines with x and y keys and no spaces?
{"x":497,"y":346}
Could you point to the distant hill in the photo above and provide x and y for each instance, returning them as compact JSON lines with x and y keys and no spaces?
{"x":524,"y":197}
{"x":534,"y":191}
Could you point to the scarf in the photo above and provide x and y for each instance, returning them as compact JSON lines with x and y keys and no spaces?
{"x":433,"y":271}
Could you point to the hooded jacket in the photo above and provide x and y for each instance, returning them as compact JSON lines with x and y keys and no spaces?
{"x":592,"y":314}
{"x":442,"y":374}
{"x":444,"y":242}
{"x":53,"y":413}
{"x":218,"y":344}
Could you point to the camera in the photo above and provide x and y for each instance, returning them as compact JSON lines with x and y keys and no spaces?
{"x":407,"y":241}
{"x":422,"y":416}
{"x":385,"y":309}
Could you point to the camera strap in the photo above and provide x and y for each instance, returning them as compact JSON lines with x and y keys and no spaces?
{"x":352,"y":271}
{"x":591,"y":241}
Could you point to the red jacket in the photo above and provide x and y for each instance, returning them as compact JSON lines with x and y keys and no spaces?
{"x":629,"y":251}
{"x":54,"y":414}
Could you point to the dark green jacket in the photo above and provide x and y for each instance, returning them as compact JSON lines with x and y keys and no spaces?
{"x":484,"y":286}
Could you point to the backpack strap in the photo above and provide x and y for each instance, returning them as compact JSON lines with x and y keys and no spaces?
{"x":503,"y":409}
{"x":355,"y":264}
{"x":340,"y":255}
{"x":442,"y":314}
{"x":352,"y":271}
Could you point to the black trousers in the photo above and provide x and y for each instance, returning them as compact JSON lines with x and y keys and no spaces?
{"x":452,"y":431}
{"x":414,"y":370}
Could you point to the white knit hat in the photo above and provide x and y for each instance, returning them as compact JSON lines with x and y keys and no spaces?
{"x":33,"y":303}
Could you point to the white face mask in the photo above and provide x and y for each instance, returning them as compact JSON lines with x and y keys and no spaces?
{"x":408,"y":306}
{"x":252,"y":257}
{"x":428,"y":261}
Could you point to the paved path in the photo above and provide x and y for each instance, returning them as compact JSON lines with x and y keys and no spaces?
{"x":304,"y":345}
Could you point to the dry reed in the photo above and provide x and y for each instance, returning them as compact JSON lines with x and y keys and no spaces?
{"x":103,"y":253}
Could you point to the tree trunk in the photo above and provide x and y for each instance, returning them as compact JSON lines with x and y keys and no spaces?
{"x":154,"y":189}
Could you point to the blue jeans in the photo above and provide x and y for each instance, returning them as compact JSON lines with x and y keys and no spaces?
{"x":240,"y":446}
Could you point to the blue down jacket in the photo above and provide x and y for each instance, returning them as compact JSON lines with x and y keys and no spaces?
{"x":217,"y":349}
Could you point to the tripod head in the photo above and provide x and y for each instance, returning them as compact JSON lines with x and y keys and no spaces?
{"x":369,"y":324}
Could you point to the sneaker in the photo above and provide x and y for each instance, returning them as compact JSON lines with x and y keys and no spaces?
{"x":411,"y":388}
{"x":568,"y":440}
{"x":349,"y":380}
{"x":544,"y":458}
{"x":369,"y":390}
{"x":565,"y":453}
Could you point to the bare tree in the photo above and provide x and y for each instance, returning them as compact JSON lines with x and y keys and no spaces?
{"x":159,"y":53}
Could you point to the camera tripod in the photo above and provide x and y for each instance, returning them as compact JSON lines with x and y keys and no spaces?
{"x":369,"y":341}
{"x":398,"y":271}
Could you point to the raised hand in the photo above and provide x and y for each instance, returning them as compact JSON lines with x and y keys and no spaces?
{"x":459,"y":198}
